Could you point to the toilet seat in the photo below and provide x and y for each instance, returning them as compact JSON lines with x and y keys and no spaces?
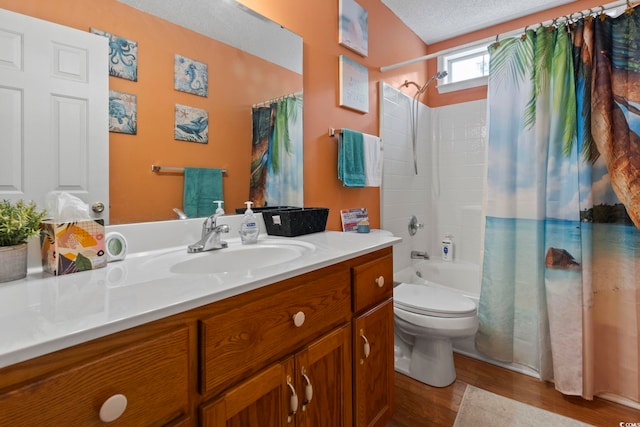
{"x":431,"y":301}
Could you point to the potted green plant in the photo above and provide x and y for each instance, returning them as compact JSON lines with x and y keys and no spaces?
{"x":18,"y":221}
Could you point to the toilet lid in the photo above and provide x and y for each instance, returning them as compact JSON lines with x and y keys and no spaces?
{"x":430,"y":301}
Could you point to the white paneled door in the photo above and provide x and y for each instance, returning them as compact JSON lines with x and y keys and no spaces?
{"x":54,"y":90}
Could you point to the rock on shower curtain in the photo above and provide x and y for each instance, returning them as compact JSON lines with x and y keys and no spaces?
{"x":561,"y":267}
{"x":276,"y":158}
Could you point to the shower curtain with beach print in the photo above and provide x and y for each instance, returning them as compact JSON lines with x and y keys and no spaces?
{"x":276,"y":158}
{"x":561,"y":266}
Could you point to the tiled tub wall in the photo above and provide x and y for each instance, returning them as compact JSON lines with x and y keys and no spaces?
{"x":446,"y":195}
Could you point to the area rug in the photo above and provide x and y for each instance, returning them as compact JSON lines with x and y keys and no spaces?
{"x":482,"y":408}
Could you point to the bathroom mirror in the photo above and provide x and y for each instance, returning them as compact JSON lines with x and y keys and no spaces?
{"x":251,"y":61}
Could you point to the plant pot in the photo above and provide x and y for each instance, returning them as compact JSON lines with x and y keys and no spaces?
{"x":13,"y":262}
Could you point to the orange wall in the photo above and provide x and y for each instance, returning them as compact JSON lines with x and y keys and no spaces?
{"x":137,"y":194}
{"x":389,"y":42}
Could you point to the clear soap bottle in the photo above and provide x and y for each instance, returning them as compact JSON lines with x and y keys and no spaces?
{"x":249,"y":226}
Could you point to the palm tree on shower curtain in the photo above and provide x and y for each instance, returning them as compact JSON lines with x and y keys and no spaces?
{"x":564,"y":120}
{"x":602,"y":128}
{"x":615,"y":101}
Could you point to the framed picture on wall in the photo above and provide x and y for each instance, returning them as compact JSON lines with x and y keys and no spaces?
{"x":354,"y":85}
{"x":353,"y":27}
{"x":190,"y":76}
{"x":123,"y":56}
{"x":191,"y":124}
{"x":122,"y":112}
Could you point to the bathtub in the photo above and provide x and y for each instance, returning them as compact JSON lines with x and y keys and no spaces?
{"x":462,"y":278}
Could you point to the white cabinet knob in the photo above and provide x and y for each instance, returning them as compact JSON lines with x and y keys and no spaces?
{"x":113,"y":408}
{"x":298,"y":319}
{"x":380,"y":281}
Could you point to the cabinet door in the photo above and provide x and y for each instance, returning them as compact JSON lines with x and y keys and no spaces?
{"x":323,"y":372}
{"x":373,"y":365}
{"x":261,"y":401}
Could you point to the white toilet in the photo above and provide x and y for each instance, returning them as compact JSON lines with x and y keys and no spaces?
{"x":426,"y":319}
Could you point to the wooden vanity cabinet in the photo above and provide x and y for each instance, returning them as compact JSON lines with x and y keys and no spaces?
{"x":235,"y":362}
{"x":373,"y":357}
{"x":239,"y":342}
{"x":310,"y":388}
{"x":373,"y":366}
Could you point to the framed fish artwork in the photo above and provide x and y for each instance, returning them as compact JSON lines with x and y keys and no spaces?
{"x":190,"y":76}
{"x":122,"y":112}
{"x":191,"y":124}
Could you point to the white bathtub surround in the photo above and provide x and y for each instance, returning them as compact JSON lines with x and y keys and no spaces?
{"x":403,"y":192}
{"x":446,"y":194}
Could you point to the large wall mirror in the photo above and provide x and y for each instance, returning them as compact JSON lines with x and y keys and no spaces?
{"x":251,"y":61}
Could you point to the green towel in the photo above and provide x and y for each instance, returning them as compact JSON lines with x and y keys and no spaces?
{"x":201,"y":187}
{"x":351,"y":158}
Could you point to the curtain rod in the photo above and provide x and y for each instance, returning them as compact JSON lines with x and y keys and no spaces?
{"x":294,"y":95}
{"x":601,"y":9}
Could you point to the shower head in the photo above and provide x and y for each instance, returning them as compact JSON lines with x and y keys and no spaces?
{"x":439,"y":75}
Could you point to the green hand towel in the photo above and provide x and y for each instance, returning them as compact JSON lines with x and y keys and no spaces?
{"x":351,"y":158}
{"x":201,"y":187}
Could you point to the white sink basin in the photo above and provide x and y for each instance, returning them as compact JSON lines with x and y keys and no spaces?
{"x":236,"y":258}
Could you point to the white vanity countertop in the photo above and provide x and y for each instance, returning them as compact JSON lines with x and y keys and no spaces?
{"x":44,"y":313}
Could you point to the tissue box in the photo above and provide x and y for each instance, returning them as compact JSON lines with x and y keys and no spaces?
{"x":69,"y":247}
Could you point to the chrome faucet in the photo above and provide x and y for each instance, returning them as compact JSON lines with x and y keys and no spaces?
{"x":210,"y":236}
{"x":419,"y":255}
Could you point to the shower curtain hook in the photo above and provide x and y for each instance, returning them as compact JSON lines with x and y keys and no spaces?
{"x":601,"y":15}
{"x":629,"y":11}
{"x":497,"y":42}
{"x":523,"y":37}
{"x":589,"y":16}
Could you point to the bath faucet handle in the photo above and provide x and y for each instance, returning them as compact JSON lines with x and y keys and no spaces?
{"x":414,"y":225}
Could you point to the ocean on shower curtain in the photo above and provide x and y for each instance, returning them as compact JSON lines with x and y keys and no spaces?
{"x":561,"y":268}
{"x":276,"y":158}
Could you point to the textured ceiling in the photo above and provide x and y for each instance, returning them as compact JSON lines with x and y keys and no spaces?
{"x":437,"y":20}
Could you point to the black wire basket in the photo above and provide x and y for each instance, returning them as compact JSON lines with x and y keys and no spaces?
{"x":291,"y":222}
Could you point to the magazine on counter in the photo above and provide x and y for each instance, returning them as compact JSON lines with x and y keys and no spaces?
{"x":351,"y":218}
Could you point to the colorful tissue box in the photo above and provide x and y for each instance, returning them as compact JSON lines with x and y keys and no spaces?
{"x":70,"y":247}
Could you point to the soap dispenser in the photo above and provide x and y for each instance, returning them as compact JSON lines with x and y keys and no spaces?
{"x":249,"y":226}
{"x":219,"y":210}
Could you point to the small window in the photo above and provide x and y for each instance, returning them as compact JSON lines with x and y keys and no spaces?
{"x":466,"y":68}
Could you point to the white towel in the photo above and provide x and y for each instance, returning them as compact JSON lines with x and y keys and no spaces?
{"x":372,"y":160}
